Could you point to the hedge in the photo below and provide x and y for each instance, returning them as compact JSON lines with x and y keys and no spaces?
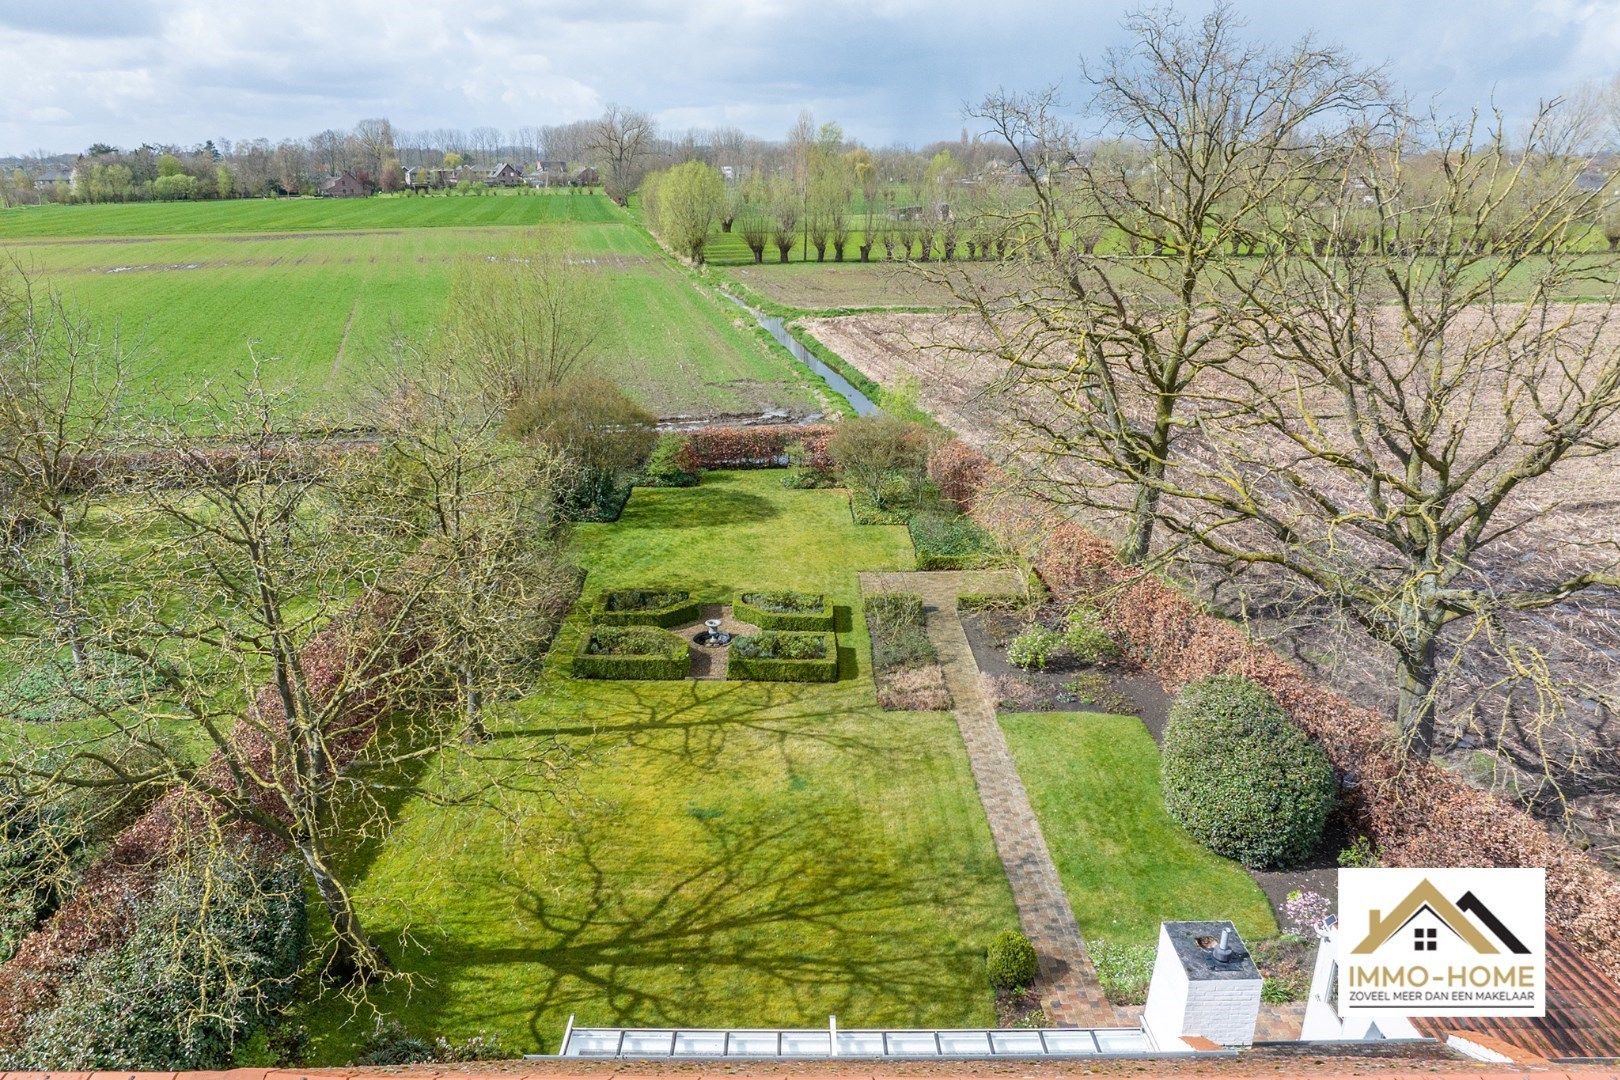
{"x":1245,"y":781}
{"x":764,"y":618}
{"x":1417,"y":812}
{"x":981,"y":561}
{"x":665,"y":655}
{"x":761,"y":446}
{"x":978,"y":601}
{"x":760,"y":669}
{"x":613,"y":608}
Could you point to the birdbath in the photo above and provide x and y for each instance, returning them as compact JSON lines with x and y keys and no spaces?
{"x":714,"y":635}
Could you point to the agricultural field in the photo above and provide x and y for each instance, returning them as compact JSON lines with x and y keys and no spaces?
{"x":714,"y":852}
{"x":200,"y":291}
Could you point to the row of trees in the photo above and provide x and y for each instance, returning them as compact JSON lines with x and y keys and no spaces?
{"x":1366,"y":408}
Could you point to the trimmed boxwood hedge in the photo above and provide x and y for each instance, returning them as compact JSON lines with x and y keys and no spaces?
{"x":756,"y":608}
{"x":1241,"y":777}
{"x":659,"y":654}
{"x":740,"y":666}
{"x":639,"y":607}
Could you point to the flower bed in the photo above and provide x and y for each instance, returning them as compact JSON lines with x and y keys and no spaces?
{"x":646,"y":607}
{"x":784,"y":610}
{"x":632,"y":652}
{"x":950,"y":541}
{"x":784,"y":656}
{"x":904,"y":661}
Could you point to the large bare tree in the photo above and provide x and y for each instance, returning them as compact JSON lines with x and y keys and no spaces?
{"x":1219,"y":130}
{"x":620,"y":142}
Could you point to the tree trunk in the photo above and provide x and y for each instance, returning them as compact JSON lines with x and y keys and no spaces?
{"x":473,"y":698}
{"x":356,"y":958}
{"x":1144,"y":514}
{"x":67,"y":598}
{"x":1414,"y":708}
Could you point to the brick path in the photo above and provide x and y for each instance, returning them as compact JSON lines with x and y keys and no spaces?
{"x":1068,"y":986}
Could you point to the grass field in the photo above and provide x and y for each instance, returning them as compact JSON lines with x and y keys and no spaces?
{"x":1094,"y":783}
{"x":281,"y":215}
{"x":198,"y":289}
{"x":718,"y":853}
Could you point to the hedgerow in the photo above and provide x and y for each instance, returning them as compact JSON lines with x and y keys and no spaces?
{"x":760,"y":446}
{"x":784,"y":610}
{"x":646,"y":607}
{"x":783,"y":656}
{"x":632,"y":652}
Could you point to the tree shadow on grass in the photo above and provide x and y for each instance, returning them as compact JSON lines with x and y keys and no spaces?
{"x":767,"y":923}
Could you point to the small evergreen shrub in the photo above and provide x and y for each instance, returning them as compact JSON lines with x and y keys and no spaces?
{"x":971,"y":602}
{"x":781,"y":646}
{"x":1360,"y":853}
{"x":784,"y":610}
{"x":1010,"y":962}
{"x":1033,"y":649}
{"x":1085,"y":638}
{"x":1241,"y":777}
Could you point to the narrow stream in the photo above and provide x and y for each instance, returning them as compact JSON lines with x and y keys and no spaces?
{"x":863,"y":405}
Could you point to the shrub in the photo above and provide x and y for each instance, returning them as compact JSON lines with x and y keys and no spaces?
{"x":672,"y":464}
{"x":1035,"y":647}
{"x":882,"y":457}
{"x":598,"y":429}
{"x":215,"y":949}
{"x":646,"y":607}
{"x":392,"y":1043}
{"x":632,"y":652}
{"x":783,"y":656}
{"x":895,"y":622}
{"x":1123,"y":970}
{"x":1240,"y":777}
{"x":1360,"y":853}
{"x":784,"y":610}
{"x":1010,"y":962}
{"x":760,"y":446}
{"x":1084,"y":636}
{"x":959,"y":472}
{"x":781,"y":646}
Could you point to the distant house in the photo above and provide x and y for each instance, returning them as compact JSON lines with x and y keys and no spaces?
{"x":550,"y":174}
{"x":504,"y":175}
{"x":54,"y":175}
{"x":423,"y":177}
{"x":345,"y":185}
{"x":586,"y":177}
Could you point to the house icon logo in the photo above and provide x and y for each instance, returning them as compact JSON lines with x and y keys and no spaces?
{"x":1454,"y":941}
{"x":1420,"y":919}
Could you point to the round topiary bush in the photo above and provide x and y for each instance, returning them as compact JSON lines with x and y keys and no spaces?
{"x":1241,"y":777}
{"x":1010,"y":961}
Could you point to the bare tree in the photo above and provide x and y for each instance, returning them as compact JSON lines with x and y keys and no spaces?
{"x":1406,"y":415}
{"x":61,"y":396}
{"x":1227,"y":128}
{"x":620,"y":142}
{"x":527,"y":317}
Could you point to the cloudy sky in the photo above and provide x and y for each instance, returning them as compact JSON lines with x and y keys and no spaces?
{"x":124,"y":71}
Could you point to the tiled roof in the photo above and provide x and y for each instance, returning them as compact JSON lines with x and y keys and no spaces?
{"x":1583,"y":1012}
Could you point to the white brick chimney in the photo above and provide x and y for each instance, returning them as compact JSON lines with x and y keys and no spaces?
{"x":1200,"y":988}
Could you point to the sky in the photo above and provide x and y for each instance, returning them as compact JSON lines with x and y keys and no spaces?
{"x":181,"y":71}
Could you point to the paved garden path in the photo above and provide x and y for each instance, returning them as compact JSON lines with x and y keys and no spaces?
{"x":1068,"y":986}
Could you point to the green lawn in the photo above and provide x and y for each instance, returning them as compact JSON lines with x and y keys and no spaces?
{"x":717,"y":853}
{"x":275,"y":215}
{"x":1094,"y":782}
{"x":196,"y":290}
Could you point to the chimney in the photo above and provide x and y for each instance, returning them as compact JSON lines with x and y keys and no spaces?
{"x":1204,"y":983}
